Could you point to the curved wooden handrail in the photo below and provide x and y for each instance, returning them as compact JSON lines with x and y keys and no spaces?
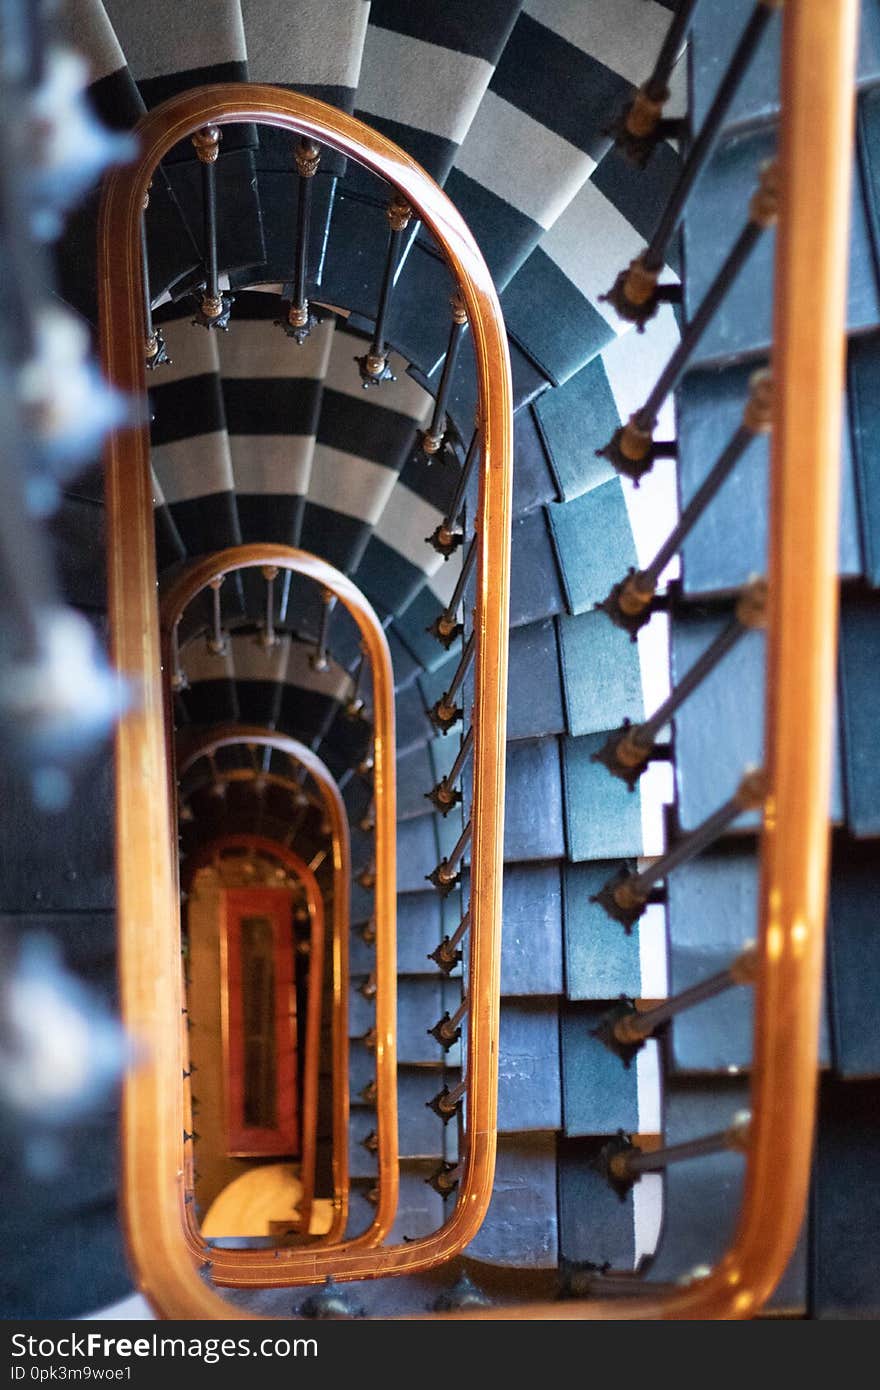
{"x":149,"y":977}
{"x":225,"y":736}
{"x":233,"y":1266}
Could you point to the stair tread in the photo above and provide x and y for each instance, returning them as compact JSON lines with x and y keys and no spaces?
{"x":854,"y":957}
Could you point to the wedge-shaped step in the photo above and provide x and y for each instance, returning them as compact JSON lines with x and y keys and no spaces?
{"x":601,"y":673}
{"x":717,"y":209}
{"x":575,"y":420}
{"x":603,"y":819}
{"x":600,"y":1093}
{"x":529,"y":1094}
{"x":593,"y":543}
{"x":535,"y":588}
{"x":728,"y":543}
{"x":596,"y":1228}
{"x":854,"y":957}
{"x":534,"y":482}
{"x":520,"y":1228}
{"x":846,"y":1275}
{"x":534,"y":686}
{"x":602,"y":961}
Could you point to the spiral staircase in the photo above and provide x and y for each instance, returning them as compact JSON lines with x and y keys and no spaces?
{"x":257,"y":438}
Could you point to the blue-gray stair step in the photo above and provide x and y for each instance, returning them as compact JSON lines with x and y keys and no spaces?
{"x":63,"y":862}
{"x":603,"y":819}
{"x":625,"y":203}
{"x":601,"y":959}
{"x":534,"y":687}
{"x":715,"y":31}
{"x":846,"y":1241}
{"x":716,"y":211}
{"x":528,"y":383}
{"x":729,"y":542}
{"x":531,"y":943}
{"x":415,"y":777}
{"x":521,"y":1226}
{"x":600,"y":671}
{"x":719,"y":731}
{"x":593,"y":543}
{"x":77,"y":530}
{"x":417,"y":853}
{"x":600,"y":1093}
{"x":854,"y":958}
{"x":535,"y":587}
{"x":419,"y":1208}
{"x":529,"y":1092}
{"x":859,"y":703}
{"x":864,"y":418}
{"x":420,"y":1004}
{"x":413,"y":725}
{"x":702,"y":1196}
{"x":595,"y":1226}
{"x":575,"y":420}
{"x":533,"y":820}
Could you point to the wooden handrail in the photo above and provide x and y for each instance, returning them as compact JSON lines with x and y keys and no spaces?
{"x":225,"y":736}
{"x":818,"y":86}
{"x":155,"y":1217}
{"x":232,"y":1266}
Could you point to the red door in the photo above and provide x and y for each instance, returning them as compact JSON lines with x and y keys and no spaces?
{"x":259,"y":1021}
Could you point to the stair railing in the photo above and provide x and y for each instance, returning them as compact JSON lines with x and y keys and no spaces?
{"x":302,"y":757}
{"x":785,"y":965}
{"x":147,"y":906}
{"x":288,"y":1265}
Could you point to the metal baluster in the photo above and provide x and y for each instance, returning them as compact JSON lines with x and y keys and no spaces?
{"x":447,"y":954}
{"x":635,"y":293}
{"x":448,"y":1031}
{"x":447,"y":628}
{"x":445,"y":1178}
{"x":626,"y":1162}
{"x":319,"y":660}
{"x":626,"y":1028}
{"x":632,"y":449}
{"x":446,"y":875}
{"x":373,"y":365}
{"x":354,"y":705}
{"x":447,"y":538}
{"x":630,"y":603}
{"x":268,"y":637}
{"x":435,"y":434}
{"x":218,"y":643}
{"x":179,"y":679}
{"x":214,"y":307}
{"x":628,"y":750}
{"x":155,"y":351}
{"x":625,"y":895}
{"x":642,"y":125}
{"x":445,"y":794}
{"x":447,"y":1102}
{"x":445,"y":713}
{"x":300,"y":320}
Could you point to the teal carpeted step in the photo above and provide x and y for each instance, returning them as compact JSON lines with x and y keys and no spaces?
{"x":602,"y":961}
{"x":729,"y":542}
{"x":601,"y":673}
{"x":600,"y":1092}
{"x":520,"y":1229}
{"x":603,"y":819}
{"x":854,"y":957}
{"x":596,"y":1228}
{"x":575,"y":420}
{"x":593,"y":543}
{"x":529,"y":1093}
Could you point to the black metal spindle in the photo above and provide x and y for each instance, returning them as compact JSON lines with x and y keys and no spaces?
{"x":626,"y":1029}
{"x":626,"y":1162}
{"x":635,"y":292}
{"x":214,"y":307}
{"x":319,"y":660}
{"x":268,"y":638}
{"x":445,"y":1178}
{"x":447,"y":955}
{"x":632,"y":449}
{"x":373,"y":365}
{"x":630,"y":603}
{"x":155,"y":351}
{"x":432,"y":439}
{"x":447,"y":874}
{"x":628,"y":750}
{"x":445,"y":794}
{"x":448,"y":536}
{"x":179,"y":679}
{"x":300,"y":320}
{"x":447,"y":1102}
{"x":446,"y":628}
{"x":218,"y":642}
{"x":445,"y":713}
{"x":448,"y":1031}
{"x":625,"y":895}
{"x":354,"y":705}
{"x":367,"y":876}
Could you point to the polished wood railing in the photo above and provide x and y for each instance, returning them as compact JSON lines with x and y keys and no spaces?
{"x":287,"y":1265}
{"x":155,"y":1215}
{"x":208,"y":744}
